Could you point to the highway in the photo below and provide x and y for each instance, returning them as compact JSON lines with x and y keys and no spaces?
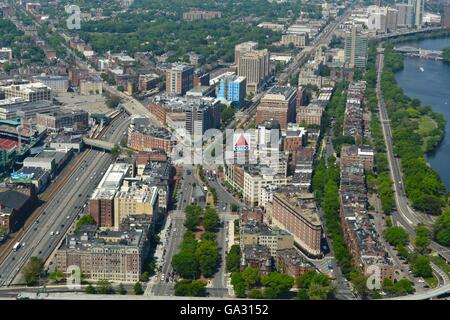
{"x":46,"y":233}
{"x":404,"y":215}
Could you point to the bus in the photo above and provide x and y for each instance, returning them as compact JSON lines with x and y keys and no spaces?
{"x":16,"y":246}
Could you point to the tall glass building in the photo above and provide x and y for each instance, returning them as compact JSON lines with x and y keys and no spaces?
{"x":233,"y":89}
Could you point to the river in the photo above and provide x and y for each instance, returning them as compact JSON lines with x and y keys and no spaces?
{"x":432,"y":87}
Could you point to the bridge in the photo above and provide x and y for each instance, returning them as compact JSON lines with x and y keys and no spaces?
{"x":99,"y":144}
{"x":406,"y":33}
{"x":429,"y":294}
{"x":419,"y":52}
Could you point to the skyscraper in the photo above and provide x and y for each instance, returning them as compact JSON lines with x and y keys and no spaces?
{"x":405,"y":15}
{"x":179,"y":79}
{"x":254,"y":66}
{"x":242,"y":48}
{"x":355,"y":48}
{"x":419,"y":8}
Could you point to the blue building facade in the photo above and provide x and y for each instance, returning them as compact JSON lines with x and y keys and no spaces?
{"x":232,"y":89}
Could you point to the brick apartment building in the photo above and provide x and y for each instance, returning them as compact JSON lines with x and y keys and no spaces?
{"x":278,"y":104}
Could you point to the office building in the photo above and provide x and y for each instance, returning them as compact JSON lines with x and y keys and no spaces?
{"x":30,"y":92}
{"x":446,"y":17}
{"x":355,"y":47}
{"x":202,"y":116}
{"x":232,"y":88}
{"x":63,"y":120}
{"x":419,"y":9}
{"x":58,"y":84}
{"x":242,"y":48}
{"x":254,"y":66}
{"x":405,"y":15}
{"x":278,"y":104}
{"x":101,"y":204}
{"x":179,"y":79}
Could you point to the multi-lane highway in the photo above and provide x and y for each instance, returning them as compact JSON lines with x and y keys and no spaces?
{"x":46,"y":233}
{"x":404,"y":215}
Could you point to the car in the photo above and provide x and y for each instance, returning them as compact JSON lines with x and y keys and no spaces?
{"x":37,"y":221}
{"x":68,"y":217}
{"x":57,"y":232}
{"x":52,"y":233}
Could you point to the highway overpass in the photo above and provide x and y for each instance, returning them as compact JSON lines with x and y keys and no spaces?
{"x":98,"y":144}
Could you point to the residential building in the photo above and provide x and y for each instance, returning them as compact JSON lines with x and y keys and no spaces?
{"x":405,"y":15}
{"x":357,"y":155}
{"x":298,"y":214}
{"x":419,"y":9}
{"x":242,"y":48}
{"x":117,"y":256}
{"x":255,"y":233}
{"x":201,"y":15}
{"x":16,"y":204}
{"x":143,"y":138}
{"x":257,"y":257}
{"x":179,"y":79}
{"x":291,"y":262}
{"x":310,"y":115}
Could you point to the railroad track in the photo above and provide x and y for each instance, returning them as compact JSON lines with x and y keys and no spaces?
{"x":67,"y":173}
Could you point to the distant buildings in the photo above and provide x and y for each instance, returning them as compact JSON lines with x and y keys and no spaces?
{"x":419,"y":9}
{"x":232,"y":89}
{"x":279,"y":104}
{"x":353,"y":118}
{"x":355,"y":43}
{"x":201,"y":15}
{"x":179,"y":79}
{"x":405,"y":15}
{"x":298,"y":40}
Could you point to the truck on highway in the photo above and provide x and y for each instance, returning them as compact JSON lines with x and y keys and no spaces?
{"x":16,"y":246}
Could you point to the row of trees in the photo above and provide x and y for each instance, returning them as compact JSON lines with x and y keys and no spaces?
{"x":422,"y":184}
{"x":249,"y":283}
{"x":446,"y":54}
{"x":106,"y":287}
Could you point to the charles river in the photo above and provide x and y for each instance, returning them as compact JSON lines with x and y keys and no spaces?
{"x":432,"y":87}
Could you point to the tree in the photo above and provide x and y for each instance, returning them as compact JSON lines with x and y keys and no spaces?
{"x":233,"y":259}
{"x":234,"y":207}
{"x":280,"y":283}
{"x":121,"y":290}
{"x":441,"y":229}
{"x":86,"y":219}
{"x":33,"y":270}
{"x":210,"y":219}
{"x":112,"y":101}
{"x":56,"y":276}
{"x":239,"y":285}
{"x":144,"y":277}
{"x":190,"y":288}
{"x":207,"y":254}
{"x":423,"y":239}
{"x":250,"y":277}
{"x":105,"y":287}
{"x":396,"y":236}
{"x":138,"y":289}
{"x":446,"y":55}
{"x":420,"y":266}
{"x":186,"y":265}
{"x":314,"y":286}
{"x":193,"y":215}
{"x":115,"y":152}
{"x":90,"y":289}
{"x":210,"y":236}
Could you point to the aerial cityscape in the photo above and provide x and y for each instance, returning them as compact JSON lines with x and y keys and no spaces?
{"x":225,"y":150}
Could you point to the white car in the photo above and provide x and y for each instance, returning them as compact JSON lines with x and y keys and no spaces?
{"x":57,"y":232}
{"x":52,"y":233}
